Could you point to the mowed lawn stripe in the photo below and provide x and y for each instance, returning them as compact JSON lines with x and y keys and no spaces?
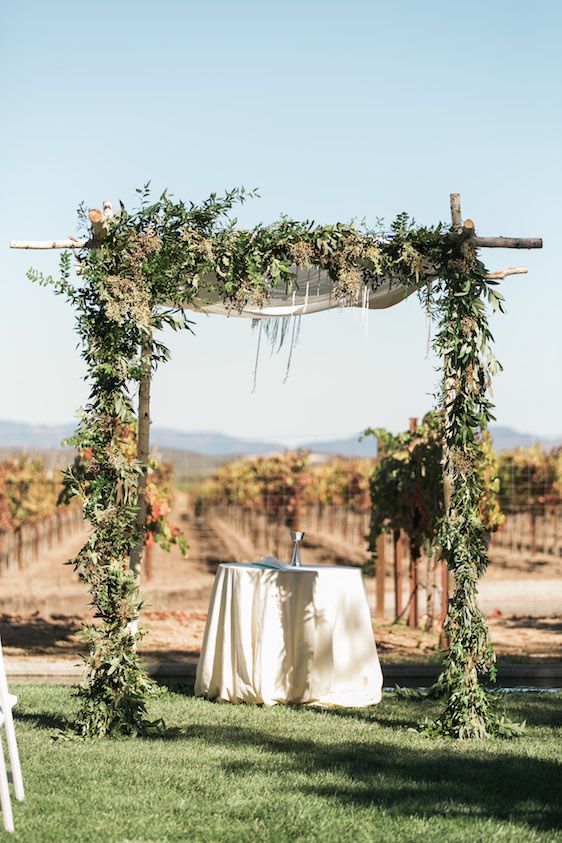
{"x":233,"y":773}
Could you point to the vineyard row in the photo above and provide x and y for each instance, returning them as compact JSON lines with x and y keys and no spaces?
{"x":26,"y":543}
{"x":522,"y":534}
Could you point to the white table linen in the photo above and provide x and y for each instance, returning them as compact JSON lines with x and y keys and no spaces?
{"x":296,"y":635}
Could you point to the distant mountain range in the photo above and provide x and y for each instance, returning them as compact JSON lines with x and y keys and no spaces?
{"x":506,"y":438}
{"x":220,"y":444}
{"x":208,"y":443}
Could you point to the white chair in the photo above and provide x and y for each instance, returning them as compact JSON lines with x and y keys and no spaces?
{"x":7,"y":702}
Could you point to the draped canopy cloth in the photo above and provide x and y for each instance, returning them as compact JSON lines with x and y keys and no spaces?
{"x":296,"y":635}
{"x":313,"y":294}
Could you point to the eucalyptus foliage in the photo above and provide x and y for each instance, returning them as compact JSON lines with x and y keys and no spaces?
{"x":167,"y":255}
{"x":463,"y":341}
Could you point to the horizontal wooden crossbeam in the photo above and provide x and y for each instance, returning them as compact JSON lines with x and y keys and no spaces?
{"x":503,"y":273}
{"x":507,"y":242}
{"x":70,"y":243}
{"x":99,"y":220}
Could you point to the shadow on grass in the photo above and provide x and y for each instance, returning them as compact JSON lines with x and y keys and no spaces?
{"x":433,"y":781}
{"x":51,"y":635}
{"x":41,"y":720}
{"x":552,"y":624}
{"x":534,"y":709}
{"x":63,"y":726}
{"x":378,"y":719}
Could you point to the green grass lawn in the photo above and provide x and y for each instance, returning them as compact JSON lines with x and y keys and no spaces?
{"x":238,"y":773}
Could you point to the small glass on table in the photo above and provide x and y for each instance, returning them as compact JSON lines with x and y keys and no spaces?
{"x":297,"y":536}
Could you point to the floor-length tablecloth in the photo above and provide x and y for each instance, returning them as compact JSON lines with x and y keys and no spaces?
{"x":295,"y":635}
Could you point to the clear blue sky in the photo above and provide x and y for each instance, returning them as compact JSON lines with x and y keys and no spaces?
{"x":335,"y":110}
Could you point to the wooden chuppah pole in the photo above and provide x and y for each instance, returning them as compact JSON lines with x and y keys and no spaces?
{"x":449,"y":387}
{"x":143,"y":448}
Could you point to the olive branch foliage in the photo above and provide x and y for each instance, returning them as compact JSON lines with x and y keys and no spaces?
{"x":166,"y":256}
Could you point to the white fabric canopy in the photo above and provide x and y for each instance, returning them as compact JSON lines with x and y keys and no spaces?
{"x":314,"y":294}
{"x":295,"y":635}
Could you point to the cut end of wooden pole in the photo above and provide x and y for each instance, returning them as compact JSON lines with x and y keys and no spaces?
{"x":99,"y":221}
{"x":95,"y":216}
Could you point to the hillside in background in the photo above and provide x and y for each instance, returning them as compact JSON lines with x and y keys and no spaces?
{"x":506,"y":439}
{"x":210,"y":443}
{"x":19,"y":435}
{"x":36,"y":436}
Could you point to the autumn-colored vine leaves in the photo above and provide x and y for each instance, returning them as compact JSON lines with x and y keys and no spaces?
{"x":155,"y":261}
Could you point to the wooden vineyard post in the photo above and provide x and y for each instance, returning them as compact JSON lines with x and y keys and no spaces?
{"x":380,"y":577}
{"x":398,"y":580}
{"x":148,"y":559}
{"x":533,"y":531}
{"x":413,"y":607}
{"x":380,"y":564}
{"x":295,"y":519}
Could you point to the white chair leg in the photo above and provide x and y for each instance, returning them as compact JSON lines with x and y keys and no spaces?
{"x":13,"y":753}
{"x":5,"y":793}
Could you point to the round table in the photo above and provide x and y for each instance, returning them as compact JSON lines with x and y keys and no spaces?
{"x":291,"y":635}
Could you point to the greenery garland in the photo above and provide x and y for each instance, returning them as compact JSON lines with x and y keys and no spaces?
{"x":463,"y":341}
{"x":165,"y":256}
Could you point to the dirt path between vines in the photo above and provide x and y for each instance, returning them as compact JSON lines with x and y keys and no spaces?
{"x":43,"y":607}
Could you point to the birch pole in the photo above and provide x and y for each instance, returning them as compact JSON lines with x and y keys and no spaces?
{"x":143,"y":446}
{"x":448,"y":396}
{"x":448,"y":386}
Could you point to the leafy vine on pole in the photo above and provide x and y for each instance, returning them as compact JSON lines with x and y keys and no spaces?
{"x":463,"y":342}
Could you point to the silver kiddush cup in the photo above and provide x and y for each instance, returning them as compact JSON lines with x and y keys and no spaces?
{"x":297,"y":537}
